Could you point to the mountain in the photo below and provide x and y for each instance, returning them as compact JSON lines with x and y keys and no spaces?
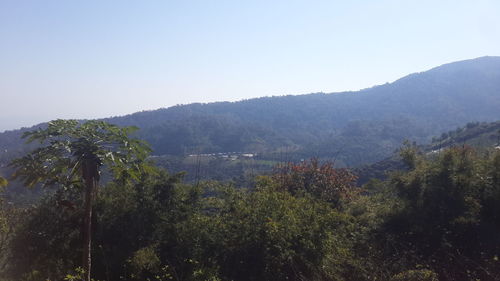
{"x":474,"y":134}
{"x":480,"y":136}
{"x":353,"y":128}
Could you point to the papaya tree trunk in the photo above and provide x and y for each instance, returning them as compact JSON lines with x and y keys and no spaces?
{"x":90,"y":174}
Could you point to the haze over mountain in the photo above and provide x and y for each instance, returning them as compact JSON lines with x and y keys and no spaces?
{"x":374,"y":121}
{"x":250,"y":140}
{"x":352,"y":127}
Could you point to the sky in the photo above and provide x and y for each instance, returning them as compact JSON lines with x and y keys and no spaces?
{"x":93,"y":59}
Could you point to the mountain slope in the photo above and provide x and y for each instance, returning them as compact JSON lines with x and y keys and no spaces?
{"x":350,"y":127}
{"x":474,"y":134}
{"x":481,"y":136}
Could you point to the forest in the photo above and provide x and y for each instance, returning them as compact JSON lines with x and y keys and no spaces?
{"x":396,"y":182}
{"x":436,"y":218}
{"x":351,"y":128}
{"x":249,"y":140}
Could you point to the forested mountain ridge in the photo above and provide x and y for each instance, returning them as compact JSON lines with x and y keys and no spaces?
{"x":435,"y":220}
{"x":473,"y":134}
{"x":480,"y":136}
{"x":352,"y":127}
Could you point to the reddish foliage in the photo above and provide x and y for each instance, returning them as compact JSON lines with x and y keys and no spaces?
{"x":321,"y":180}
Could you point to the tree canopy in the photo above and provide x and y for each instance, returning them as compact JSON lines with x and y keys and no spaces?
{"x":71,"y":156}
{"x":66,"y":145}
{"x":437,"y":219}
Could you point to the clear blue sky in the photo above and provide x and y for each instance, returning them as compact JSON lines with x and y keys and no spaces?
{"x":90,"y":59}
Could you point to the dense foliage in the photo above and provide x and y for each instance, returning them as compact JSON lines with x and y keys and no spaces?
{"x":474,"y":133}
{"x":71,"y":156}
{"x":481,"y":136}
{"x":448,"y":215}
{"x":352,"y":128}
{"x":306,"y":221}
{"x":432,"y":213}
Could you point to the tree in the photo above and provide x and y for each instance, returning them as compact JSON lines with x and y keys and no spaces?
{"x":446,"y":214}
{"x":320,"y":180}
{"x":72,"y":155}
{"x":5,"y":230}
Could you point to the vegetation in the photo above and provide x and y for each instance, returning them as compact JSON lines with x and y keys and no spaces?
{"x":436,"y":220}
{"x":351,"y":128}
{"x":71,"y":157}
{"x":430,"y":213}
{"x":448,"y":213}
{"x":481,"y":136}
{"x":474,"y":133}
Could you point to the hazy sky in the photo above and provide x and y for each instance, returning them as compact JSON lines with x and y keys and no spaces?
{"x":89,"y":59}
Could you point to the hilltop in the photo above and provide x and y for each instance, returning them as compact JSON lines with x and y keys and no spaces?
{"x":352,"y":128}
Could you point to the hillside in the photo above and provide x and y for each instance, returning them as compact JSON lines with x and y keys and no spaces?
{"x":474,"y":134}
{"x":353,"y":128}
{"x":481,"y":136}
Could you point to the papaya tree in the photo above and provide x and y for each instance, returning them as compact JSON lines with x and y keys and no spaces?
{"x":72,"y":155}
